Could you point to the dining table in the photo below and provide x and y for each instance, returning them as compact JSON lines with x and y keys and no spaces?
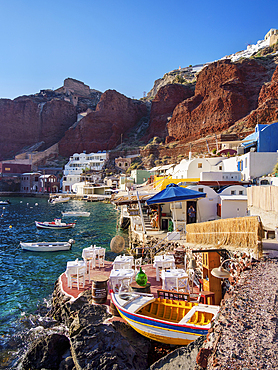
{"x":117,"y":275}
{"x":123,"y":262}
{"x":162,"y":262}
{"x":169,"y":278}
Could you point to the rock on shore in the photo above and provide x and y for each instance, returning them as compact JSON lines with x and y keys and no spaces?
{"x":246,"y":334}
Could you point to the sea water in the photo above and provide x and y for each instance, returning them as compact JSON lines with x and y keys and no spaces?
{"x":27,"y":278}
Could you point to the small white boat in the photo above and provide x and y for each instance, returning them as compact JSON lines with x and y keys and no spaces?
{"x":76,"y":214}
{"x":54,"y":225}
{"x":47,"y":246}
{"x":59,"y":199}
{"x":4,"y":202}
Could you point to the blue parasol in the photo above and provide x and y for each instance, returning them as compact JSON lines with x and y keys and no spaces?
{"x":175,"y":193}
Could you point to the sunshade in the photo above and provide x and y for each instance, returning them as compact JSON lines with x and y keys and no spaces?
{"x":175,"y":193}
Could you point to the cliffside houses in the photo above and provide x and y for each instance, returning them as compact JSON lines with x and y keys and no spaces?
{"x":77,"y":166}
{"x":224,"y":179}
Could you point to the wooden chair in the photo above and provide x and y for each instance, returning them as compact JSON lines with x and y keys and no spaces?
{"x":101,"y":257}
{"x":170,"y":294}
{"x":76,"y":277}
{"x":181,"y":285}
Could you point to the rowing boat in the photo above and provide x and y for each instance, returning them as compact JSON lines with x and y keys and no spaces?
{"x":75,"y":214}
{"x":47,"y":246}
{"x":165,"y":320}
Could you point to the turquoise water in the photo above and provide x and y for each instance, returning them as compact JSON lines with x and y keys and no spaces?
{"x":27,"y":278}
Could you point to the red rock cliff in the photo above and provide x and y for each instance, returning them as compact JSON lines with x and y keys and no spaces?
{"x":167,"y":98}
{"x":24,"y":123}
{"x":225,"y":92}
{"x":101,"y":130}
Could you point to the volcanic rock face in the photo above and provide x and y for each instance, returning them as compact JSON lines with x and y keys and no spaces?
{"x":267,"y":111}
{"x":101,"y":130}
{"x":24,"y":123}
{"x":225,"y":92}
{"x":167,"y":98}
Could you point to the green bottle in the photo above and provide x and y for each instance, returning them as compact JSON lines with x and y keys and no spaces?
{"x":141,"y":278}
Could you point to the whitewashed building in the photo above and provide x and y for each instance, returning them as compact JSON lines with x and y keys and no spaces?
{"x":252,"y":165}
{"x":192,"y":168}
{"x":78,"y":163}
{"x":233,"y":202}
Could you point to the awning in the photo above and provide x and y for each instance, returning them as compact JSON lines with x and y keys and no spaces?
{"x":175,"y":193}
{"x":130,"y":199}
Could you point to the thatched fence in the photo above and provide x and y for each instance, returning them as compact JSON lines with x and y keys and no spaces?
{"x":237,"y":233}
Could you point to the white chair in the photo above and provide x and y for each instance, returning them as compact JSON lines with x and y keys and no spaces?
{"x":181,"y":285}
{"x":89,"y":258}
{"x":124,"y":286}
{"x":75,"y":277}
{"x":101,"y":257}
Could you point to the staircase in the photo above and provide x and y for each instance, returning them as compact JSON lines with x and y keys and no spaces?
{"x":147,"y":222}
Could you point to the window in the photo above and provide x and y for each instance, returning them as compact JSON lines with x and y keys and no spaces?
{"x":233,"y":192}
{"x":245,"y":162}
{"x":240,"y":192}
{"x":220,"y":168}
{"x":201,"y":190}
{"x":200,"y":165}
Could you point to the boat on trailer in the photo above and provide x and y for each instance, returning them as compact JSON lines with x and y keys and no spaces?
{"x":47,"y":246}
{"x":165,"y":320}
{"x":76,"y":214}
{"x":54,"y":225}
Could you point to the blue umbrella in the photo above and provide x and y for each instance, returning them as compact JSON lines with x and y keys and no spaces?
{"x":175,"y":193}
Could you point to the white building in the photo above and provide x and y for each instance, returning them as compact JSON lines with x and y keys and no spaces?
{"x":233,"y":202}
{"x":206,"y":207}
{"x":78,"y":163}
{"x":192,"y":168}
{"x":252,"y":165}
{"x":220,"y":176}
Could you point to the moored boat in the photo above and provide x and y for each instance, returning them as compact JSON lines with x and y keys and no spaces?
{"x":164,"y":320}
{"x":76,"y":214}
{"x":54,"y":225}
{"x":4,"y":202}
{"x":58,"y":199}
{"x":47,"y":246}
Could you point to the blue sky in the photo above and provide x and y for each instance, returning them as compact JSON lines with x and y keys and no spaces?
{"x":122,"y":45}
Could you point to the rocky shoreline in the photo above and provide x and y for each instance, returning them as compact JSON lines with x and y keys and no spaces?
{"x":82,"y":335}
{"x":94,"y":340}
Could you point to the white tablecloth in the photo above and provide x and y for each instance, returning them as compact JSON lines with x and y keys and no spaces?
{"x":169,"y":278}
{"x":163,"y":261}
{"x":123,"y":262}
{"x":117,"y":275}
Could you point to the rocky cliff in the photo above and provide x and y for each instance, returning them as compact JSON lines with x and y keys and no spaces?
{"x":267,"y":109}
{"x":225,"y":92}
{"x":104,"y":128}
{"x":165,"y":101}
{"x":24,"y":123}
{"x":227,"y":97}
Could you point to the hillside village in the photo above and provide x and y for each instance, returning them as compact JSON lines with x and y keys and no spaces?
{"x":223,"y":182}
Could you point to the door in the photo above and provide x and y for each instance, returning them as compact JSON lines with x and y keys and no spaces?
{"x":191,"y":211}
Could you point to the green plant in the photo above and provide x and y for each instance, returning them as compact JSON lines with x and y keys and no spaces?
{"x":275,"y":169}
{"x":214,"y":151}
